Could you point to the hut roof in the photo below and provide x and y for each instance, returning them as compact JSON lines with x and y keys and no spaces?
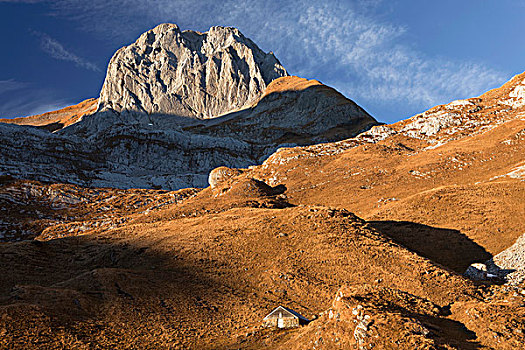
{"x":285,"y":310}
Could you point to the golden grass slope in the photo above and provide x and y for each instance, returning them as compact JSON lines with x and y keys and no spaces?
{"x":471,"y":182}
{"x":199,"y":269}
{"x":185,"y":277}
{"x":59,"y":119}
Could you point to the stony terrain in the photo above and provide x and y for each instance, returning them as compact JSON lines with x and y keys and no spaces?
{"x":170,"y":152}
{"x":510,"y":263}
{"x":367,"y":236}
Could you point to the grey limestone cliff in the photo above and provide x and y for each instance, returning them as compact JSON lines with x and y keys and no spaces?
{"x":188,"y":73}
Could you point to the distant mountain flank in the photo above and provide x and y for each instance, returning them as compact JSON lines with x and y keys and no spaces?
{"x":59,"y":119}
{"x":174,"y":105}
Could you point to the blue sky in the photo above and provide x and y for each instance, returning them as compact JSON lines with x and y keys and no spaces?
{"x":393,"y":57}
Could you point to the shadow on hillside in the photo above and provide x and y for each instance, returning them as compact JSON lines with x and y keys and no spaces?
{"x":79,"y":277}
{"x":450,"y":248}
{"x":448,"y":332}
{"x":100,"y":290}
{"x":52,"y":127}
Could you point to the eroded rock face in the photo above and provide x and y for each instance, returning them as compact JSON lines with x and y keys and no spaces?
{"x":517,"y":96}
{"x":188,"y":73}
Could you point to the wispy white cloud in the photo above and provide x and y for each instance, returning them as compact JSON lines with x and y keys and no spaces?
{"x":346,"y":44}
{"x":22,"y":106}
{"x":19,"y":99}
{"x":10,"y":85}
{"x":366,"y":59}
{"x":56,"y":50}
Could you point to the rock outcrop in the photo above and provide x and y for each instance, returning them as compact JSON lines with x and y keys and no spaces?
{"x":188,"y":73}
{"x":476,"y":272}
{"x":462,"y":118}
{"x":220,"y":175}
{"x":509,"y":265}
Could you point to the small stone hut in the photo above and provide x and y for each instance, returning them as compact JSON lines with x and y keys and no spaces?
{"x":282,"y":317}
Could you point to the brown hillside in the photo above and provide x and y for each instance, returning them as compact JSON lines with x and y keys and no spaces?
{"x":290,"y":83}
{"x":368,"y":237}
{"x":59,"y":119}
{"x":295,"y":83}
{"x":194,"y":275}
{"x":465,"y":177}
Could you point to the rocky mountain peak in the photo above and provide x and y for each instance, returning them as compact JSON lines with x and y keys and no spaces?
{"x":188,"y":73}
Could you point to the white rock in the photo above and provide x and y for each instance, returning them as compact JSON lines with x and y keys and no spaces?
{"x":510,"y":263}
{"x":187,"y":73}
{"x":476,"y":272}
{"x":429,"y":124}
{"x":459,"y":103}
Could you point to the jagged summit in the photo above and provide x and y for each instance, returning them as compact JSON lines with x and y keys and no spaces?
{"x":188,"y":73}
